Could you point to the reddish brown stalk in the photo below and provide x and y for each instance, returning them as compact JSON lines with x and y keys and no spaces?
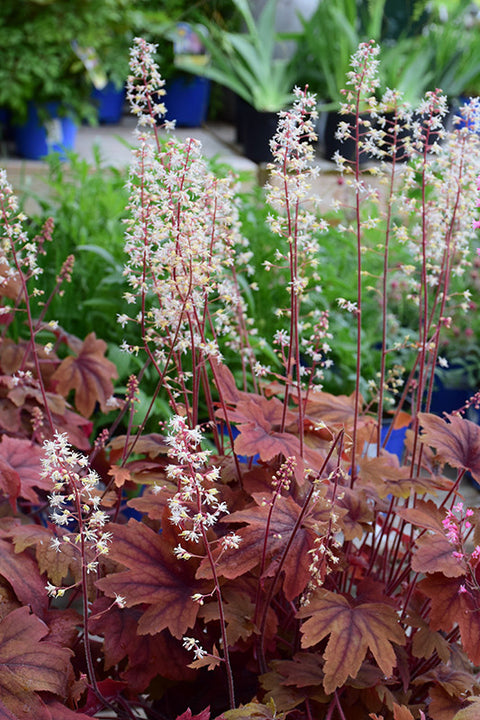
{"x":384,"y":299}
{"x":261,"y":641}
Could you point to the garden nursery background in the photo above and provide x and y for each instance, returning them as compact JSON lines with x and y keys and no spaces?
{"x":239,"y":360}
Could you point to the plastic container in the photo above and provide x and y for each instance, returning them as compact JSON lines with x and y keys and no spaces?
{"x":109,"y":101}
{"x":37,"y":138}
{"x":187,"y":100}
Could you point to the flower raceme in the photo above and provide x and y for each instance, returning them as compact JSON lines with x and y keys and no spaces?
{"x":182,"y":240}
{"x":75,"y":505}
{"x":195,"y":507}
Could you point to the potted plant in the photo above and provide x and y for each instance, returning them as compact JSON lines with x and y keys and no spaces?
{"x":246,"y":63}
{"x":322,"y":582}
{"x":43,"y":79}
{"x":324,"y":49}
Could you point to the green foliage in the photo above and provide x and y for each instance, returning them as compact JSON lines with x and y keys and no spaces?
{"x":38,"y":43}
{"x":246,"y":62}
{"x":88,"y":206}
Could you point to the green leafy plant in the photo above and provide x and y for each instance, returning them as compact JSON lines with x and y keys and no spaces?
{"x":453,"y":45}
{"x":246,"y":62}
{"x":42,"y":64}
{"x":87,"y":205}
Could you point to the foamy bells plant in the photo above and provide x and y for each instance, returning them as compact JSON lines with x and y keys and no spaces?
{"x":184,"y":248}
{"x":75,"y":506}
{"x":303,"y":565}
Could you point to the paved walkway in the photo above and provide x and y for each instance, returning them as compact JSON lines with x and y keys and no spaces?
{"x":114,"y":142}
{"x":218,"y":140}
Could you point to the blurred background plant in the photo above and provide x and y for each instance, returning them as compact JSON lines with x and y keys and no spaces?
{"x":248,"y":62}
{"x":88,"y":202}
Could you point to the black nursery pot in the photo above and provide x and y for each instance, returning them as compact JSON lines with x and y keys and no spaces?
{"x":346,"y":148}
{"x":407,"y":133}
{"x":257,"y":129}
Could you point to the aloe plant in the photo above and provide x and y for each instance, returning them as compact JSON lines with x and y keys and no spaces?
{"x":328,"y":40}
{"x":245,"y":62}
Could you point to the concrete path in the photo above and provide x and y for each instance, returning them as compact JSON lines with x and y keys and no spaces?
{"x":218,"y":140}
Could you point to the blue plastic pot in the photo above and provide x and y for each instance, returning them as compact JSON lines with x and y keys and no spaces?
{"x":394,"y":445}
{"x":187,"y":100}
{"x":396,"y":441}
{"x":109,"y":101}
{"x":36,"y":138}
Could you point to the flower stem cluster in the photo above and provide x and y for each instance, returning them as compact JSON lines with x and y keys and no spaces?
{"x":196,"y":506}
{"x":184,"y":248}
{"x":75,"y":505}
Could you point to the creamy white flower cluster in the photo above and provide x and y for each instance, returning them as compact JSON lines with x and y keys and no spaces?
{"x":75,"y":504}
{"x":145,"y":86}
{"x":16,"y":249}
{"x":363,"y":77}
{"x":196,"y":506}
{"x":183,"y":239}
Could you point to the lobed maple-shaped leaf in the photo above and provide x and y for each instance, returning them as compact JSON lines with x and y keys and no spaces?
{"x":451,"y":606}
{"x":29,"y":664}
{"x":210,"y":661}
{"x":23,"y":574}
{"x":23,"y":457}
{"x":57,"y":564}
{"x":90,"y":374}
{"x":248,"y":555}
{"x":120,"y":475}
{"x":455,"y":439}
{"x":353,"y":631}
{"x":433,"y":553}
{"x":256,"y":421}
{"x":154,"y":578}
{"x":148,"y":655}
